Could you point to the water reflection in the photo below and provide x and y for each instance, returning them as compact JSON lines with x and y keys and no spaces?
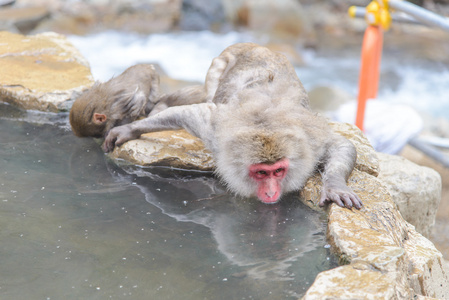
{"x":74,"y":225}
{"x":267,"y":239}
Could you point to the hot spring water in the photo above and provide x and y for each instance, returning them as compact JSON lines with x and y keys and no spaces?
{"x":74,"y":225}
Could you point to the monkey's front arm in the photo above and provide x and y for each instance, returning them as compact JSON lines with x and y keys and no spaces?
{"x":195,"y":118}
{"x":339,"y":163}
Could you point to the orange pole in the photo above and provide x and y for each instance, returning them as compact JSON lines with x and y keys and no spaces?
{"x":369,"y":70}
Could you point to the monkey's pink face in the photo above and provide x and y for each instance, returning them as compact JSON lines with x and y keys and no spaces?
{"x":269,"y":179}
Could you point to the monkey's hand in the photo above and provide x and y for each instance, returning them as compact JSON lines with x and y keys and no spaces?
{"x":340,"y":194}
{"x":117,"y":136}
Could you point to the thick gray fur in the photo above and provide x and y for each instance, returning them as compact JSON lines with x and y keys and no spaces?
{"x":257,"y":111}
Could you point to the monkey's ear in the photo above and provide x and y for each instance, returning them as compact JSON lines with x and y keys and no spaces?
{"x":99,"y":118}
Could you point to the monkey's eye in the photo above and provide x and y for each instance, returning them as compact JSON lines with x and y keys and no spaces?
{"x":279,"y":172}
{"x":261,"y":174}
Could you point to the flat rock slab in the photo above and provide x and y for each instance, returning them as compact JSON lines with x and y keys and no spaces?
{"x":42,"y":72}
{"x":176,"y":149}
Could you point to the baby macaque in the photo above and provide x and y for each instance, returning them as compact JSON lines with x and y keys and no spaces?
{"x":125,"y":98}
{"x":118,"y":101}
{"x":258,"y":125}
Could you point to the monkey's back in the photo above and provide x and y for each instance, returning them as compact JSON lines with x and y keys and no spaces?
{"x":250,"y":66}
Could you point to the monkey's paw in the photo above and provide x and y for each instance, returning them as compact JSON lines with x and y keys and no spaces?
{"x":342,"y":196}
{"x":117,"y":136}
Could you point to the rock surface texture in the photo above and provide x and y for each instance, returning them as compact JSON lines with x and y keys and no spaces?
{"x":382,"y":256}
{"x":176,"y":149}
{"x":42,"y":72}
{"x":416,"y":190}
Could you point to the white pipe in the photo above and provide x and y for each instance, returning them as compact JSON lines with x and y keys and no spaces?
{"x":360,"y":12}
{"x":423,"y":15}
{"x":430,"y":151}
{"x":435,"y":141}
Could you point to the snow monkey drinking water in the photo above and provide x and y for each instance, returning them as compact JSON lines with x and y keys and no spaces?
{"x":257,"y":123}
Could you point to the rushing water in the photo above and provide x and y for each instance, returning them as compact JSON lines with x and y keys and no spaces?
{"x":74,"y":225}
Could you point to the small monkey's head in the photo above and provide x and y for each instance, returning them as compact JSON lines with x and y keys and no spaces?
{"x":84,"y":119}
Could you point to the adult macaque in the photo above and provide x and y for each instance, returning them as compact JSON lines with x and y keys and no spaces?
{"x":257,"y":123}
{"x":125,"y":98}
